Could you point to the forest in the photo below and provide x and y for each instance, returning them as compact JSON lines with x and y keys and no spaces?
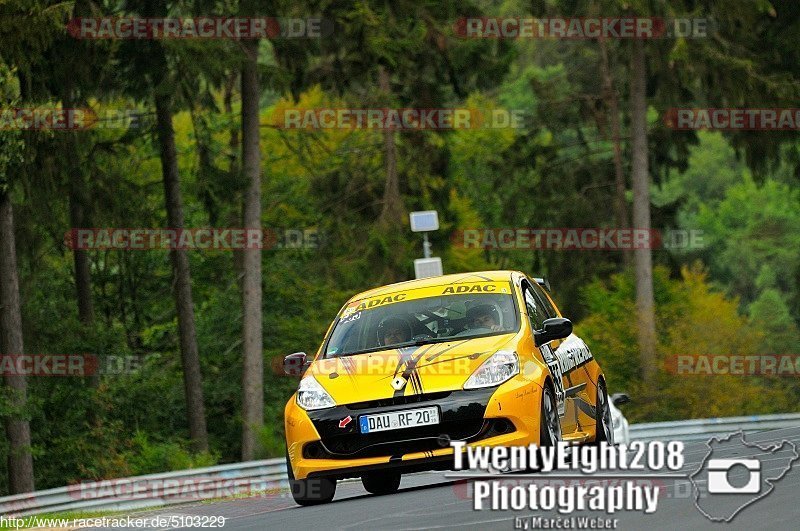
{"x":212,"y":133}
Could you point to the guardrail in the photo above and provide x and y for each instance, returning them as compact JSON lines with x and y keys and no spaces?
{"x":688,"y":430}
{"x":154,"y":490}
{"x":158,"y":490}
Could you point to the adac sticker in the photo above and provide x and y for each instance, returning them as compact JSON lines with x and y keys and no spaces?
{"x":421,"y":293}
{"x":373,"y":303}
{"x":470,"y":288}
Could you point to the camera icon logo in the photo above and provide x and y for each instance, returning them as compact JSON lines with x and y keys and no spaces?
{"x":718,"y":476}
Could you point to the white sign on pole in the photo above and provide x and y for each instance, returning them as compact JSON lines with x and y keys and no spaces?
{"x":424,"y":220}
{"x":428,"y":267}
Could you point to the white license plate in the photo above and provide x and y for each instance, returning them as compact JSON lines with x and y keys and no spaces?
{"x":397,"y":420}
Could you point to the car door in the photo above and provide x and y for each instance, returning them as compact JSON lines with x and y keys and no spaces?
{"x":537,"y":313}
{"x":571,"y":353}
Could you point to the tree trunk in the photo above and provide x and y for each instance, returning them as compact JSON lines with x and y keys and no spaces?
{"x":205,"y":167}
{"x":235,"y":219}
{"x":190,"y":357}
{"x":77,"y":219}
{"x":18,"y":430}
{"x":643,"y":265}
{"x":610,"y":95}
{"x":80,"y":257}
{"x":253,"y":357}
{"x":83,"y":274}
{"x":612,"y":101}
{"x":392,"y":211}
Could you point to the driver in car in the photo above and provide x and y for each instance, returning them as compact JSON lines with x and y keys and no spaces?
{"x":483,"y":316}
{"x":393,"y":331}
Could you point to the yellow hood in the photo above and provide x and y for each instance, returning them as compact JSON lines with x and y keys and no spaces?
{"x":428,"y":368}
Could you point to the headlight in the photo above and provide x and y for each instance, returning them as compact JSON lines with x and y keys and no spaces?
{"x":501,"y":366}
{"x":311,"y":395}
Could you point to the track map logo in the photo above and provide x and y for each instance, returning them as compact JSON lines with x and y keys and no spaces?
{"x":725,"y":483}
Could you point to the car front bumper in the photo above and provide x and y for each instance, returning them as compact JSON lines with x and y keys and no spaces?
{"x":501,"y":416}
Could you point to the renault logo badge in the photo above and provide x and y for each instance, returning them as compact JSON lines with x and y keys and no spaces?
{"x":399,"y":383}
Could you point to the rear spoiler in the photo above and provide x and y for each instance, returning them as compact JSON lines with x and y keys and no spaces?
{"x":543,"y":282}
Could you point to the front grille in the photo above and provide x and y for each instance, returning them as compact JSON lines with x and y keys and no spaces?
{"x":461,"y":417}
{"x":396,"y":443}
{"x":398,"y":400}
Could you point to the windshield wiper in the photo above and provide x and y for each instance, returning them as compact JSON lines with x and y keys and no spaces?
{"x":413,"y":343}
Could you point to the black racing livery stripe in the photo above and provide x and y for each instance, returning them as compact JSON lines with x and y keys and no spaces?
{"x":578,"y":366}
{"x":586,"y":407}
{"x":408,"y":364}
{"x":451,"y":347}
{"x":349,"y":368}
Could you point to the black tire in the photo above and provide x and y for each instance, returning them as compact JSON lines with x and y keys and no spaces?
{"x":549,"y":423}
{"x":310,"y":491}
{"x":381,"y":482}
{"x":549,"y":426}
{"x":604,"y":427}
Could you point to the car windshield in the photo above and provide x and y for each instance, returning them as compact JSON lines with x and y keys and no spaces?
{"x":391,"y":321}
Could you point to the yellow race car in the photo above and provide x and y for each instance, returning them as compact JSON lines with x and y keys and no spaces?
{"x":484,"y":358}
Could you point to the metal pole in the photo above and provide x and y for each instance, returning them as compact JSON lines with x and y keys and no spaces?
{"x":426,"y":245}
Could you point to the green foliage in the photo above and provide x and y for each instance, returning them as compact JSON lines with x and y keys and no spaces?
{"x":770,"y":316}
{"x":752,"y":228}
{"x":11,"y":143}
{"x":147,"y":457}
{"x":712,"y":168}
{"x":692,"y":318}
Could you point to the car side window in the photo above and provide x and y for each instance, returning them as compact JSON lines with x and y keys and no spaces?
{"x":545,"y":304}
{"x":533,"y":307}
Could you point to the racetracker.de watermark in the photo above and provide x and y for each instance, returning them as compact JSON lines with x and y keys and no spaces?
{"x":76,"y":365}
{"x":212,"y":28}
{"x":377,"y":364}
{"x":203,"y":239}
{"x":406,"y":119}
{"x":184,"y":489}
{"x":66,"y":119}
{"x":733,"y":119}
{"x":579,"y":28}
{"x":787,"y":365}
{"x":578,"y":239}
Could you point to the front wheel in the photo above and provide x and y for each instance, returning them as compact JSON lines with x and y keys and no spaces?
{"x":310,"y":491}
{"x":550,"y":423}
{"x":604,"y":427}
{"x":381,"y":483}
{"x":549,"y":426}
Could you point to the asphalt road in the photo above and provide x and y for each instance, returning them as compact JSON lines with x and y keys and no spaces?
{"x":432,"y":501}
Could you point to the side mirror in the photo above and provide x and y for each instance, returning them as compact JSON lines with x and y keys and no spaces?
{"x":620,"y":398}
{"x":295,"y":364}
{"x":555,"y":328}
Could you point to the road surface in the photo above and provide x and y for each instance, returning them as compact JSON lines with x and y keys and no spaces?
{"x":434,"y":501}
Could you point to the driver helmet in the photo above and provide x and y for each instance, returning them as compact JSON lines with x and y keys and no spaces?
{"x":394,"y":322}
{"x":482,"y":310}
